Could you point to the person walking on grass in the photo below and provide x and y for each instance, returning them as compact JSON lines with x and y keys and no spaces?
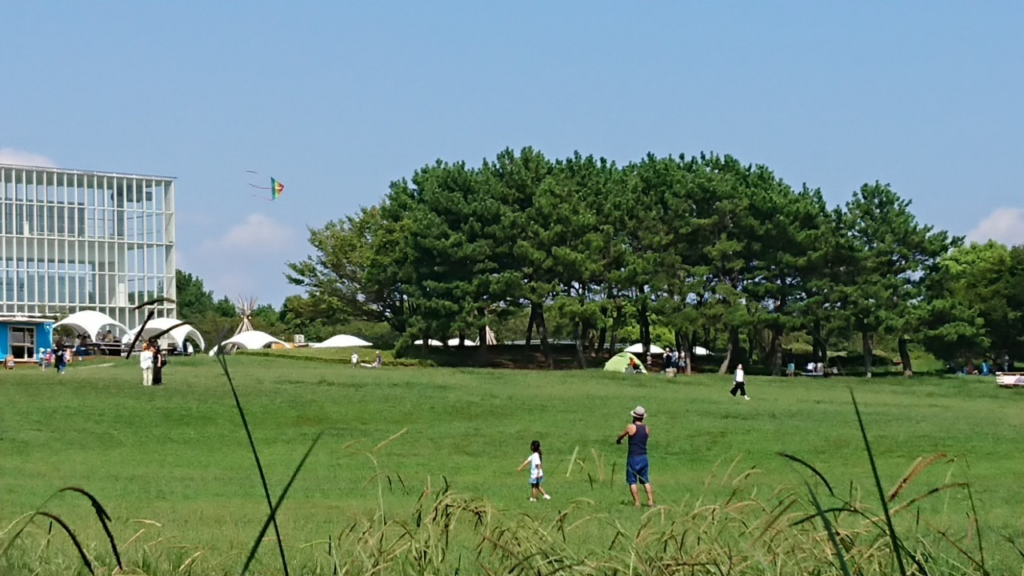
{"x":739,"y":384}
{"x":536,"y":472}
{"x":146,"y":363}
{"x":637,"y":466}
{"x":60,"y":359}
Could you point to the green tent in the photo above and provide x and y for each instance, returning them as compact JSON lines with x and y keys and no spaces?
{"x":620,"y":362}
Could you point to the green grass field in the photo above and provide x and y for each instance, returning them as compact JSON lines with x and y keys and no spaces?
{"x":173,"y":467}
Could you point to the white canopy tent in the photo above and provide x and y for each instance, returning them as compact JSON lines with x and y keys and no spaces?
{"x":178,"y":335}
{"x":429,"y":343}
{"x":91,"y":322}
{"x":342,"y":341}
{"x":249,"y":340}
{"x":638,"y":348}
{"x":454,"y":342}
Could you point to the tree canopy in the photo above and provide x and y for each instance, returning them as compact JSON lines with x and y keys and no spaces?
{"x":700,"y":250}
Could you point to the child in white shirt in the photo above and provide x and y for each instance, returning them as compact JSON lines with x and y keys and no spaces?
{"x":536,"y":473}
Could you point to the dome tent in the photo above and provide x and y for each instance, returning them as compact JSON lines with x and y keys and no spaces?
{"x":178,"y":335}
{"x":342,"y":341}
{"x":90,"y":322}
{"x":638,"y":348}
{"x":620,"y":362}
{"x":248,"y":340}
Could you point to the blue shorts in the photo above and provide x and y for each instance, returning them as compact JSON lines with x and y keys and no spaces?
{"x":637,"y":468}
{"x":535,"y":482}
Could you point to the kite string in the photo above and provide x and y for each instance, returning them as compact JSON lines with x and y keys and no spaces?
{"x":259,"y":187}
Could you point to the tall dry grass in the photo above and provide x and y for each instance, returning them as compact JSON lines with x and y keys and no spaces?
{"x":813,"y":529}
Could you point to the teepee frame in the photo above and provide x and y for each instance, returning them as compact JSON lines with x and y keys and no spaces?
{"x":245,"y":307}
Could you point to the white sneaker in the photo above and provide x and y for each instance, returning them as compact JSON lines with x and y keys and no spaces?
{"x":547,"y":497}
{"x":533,"y":499}
{"x":746,"y":397}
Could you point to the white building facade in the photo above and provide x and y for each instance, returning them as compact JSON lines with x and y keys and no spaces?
{"x":76,"y":240}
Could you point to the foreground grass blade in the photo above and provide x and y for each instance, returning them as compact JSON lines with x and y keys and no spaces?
{"x":157,"y":300}
{"x":255,"y":454}
{"x":893,"y":538}
{"x":74,"y":540}
{"x":163,"y":333}
{"x":280,"y":500}
{"x":977,"y":525}
{"x":138,"y":335}
{"x":807,"y":465}
{"x":101,"y":513}
{"x":831,"y":532}
{"x":104,"y":518}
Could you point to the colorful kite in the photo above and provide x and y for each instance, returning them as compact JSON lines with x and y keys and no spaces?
{"x":276,"y":188}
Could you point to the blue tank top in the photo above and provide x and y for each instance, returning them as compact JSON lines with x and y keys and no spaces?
{"x":638,"y":442}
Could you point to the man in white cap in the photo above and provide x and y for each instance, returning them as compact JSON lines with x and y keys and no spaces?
{"x":636,"y":459}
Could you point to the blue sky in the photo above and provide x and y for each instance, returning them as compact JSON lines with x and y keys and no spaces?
{"x":337,"y":99}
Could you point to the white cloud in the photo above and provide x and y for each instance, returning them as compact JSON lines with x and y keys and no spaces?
{"x":258,"y":234}
{"x":247,"y":259}
{"x":22,"y":158}
{"x":1004,"y":225}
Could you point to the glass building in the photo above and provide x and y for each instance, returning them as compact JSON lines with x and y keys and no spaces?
{"x":75,"y":240}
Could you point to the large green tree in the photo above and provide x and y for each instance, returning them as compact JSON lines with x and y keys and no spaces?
{"x":893,"y":255}
{"x":354,"y":273}
{"x":193,"y":299}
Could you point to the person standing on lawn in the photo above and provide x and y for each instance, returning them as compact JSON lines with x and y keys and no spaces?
{"x":637,"y":466}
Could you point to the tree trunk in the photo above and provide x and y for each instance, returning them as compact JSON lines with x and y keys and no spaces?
{"x":733,"y":353}
{"x":585,"y":336}
{"x":601,"y":336}
{"x":817,"y":340}
{"x":684,"y":351}
{"x":462,"y":339}
{"x":868,"y":351}
{"x":776,"y":351}
{"x":482,"y":349}
{"x":542,"y":331}
{"x":645,"y":324}
{"x":724,"y":367}
{"x":581,"y":358}
{"x":615,"y":330}
{"x":529,"y":326}
{"x":908,"y":369}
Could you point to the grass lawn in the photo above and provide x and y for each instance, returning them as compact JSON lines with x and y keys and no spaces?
{"x":177,"y":455}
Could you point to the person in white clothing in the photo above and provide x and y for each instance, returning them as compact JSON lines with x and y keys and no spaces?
{"x":355,"y":360}
{"x":738,"y":384}
{"x":146,"y":363}
{"x":536,"y":472}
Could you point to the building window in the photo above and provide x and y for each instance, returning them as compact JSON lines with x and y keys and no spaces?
{"x":23,"y":342}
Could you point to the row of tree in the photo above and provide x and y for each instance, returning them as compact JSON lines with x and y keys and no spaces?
{"x":723,"y":254}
